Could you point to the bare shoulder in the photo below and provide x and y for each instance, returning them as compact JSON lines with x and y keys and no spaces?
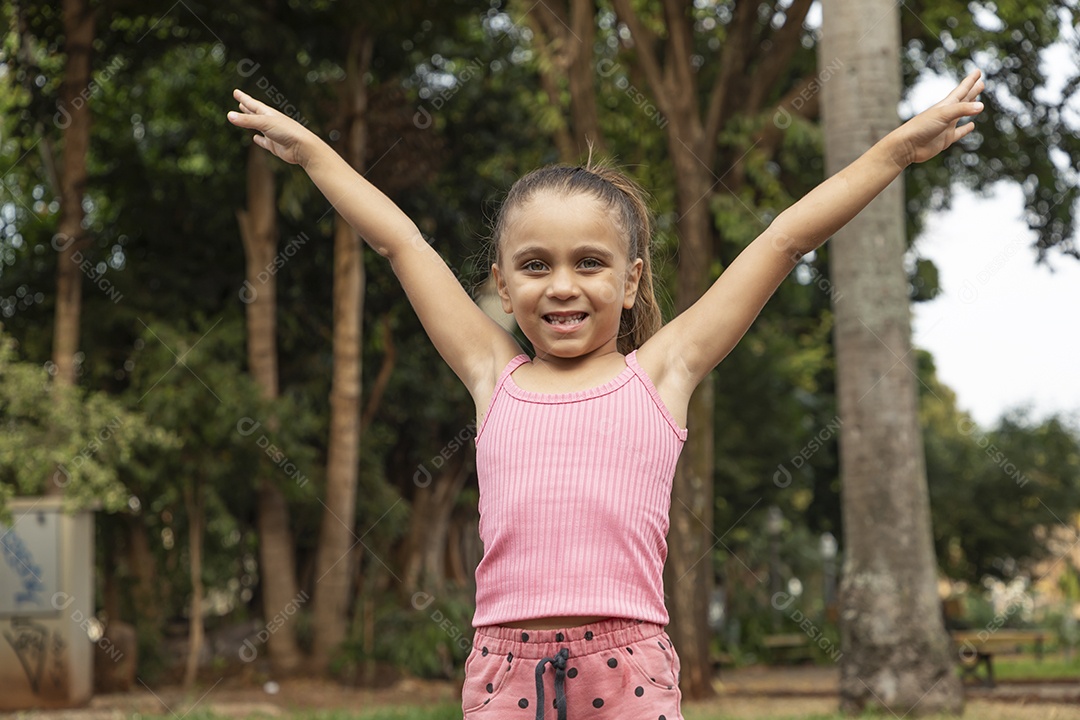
{"x":661,"y":361}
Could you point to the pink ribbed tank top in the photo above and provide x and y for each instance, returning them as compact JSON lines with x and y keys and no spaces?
{"x":575,"y":494}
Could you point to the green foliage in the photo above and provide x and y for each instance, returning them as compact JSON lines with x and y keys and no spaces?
{"x":1027,"y":134}
{"x":190,"y":381}
{"x":994,"y":492}
{"x":429,"y":637}
{"x":165,"y":364}
{"x":79,"y":441}
{"x":1026,"y":667}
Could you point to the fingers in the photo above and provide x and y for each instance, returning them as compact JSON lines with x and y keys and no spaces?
{"x":967,"y":109}
{"x":252,"y":113}
{"x":953,"y":113}
{"x":244,"y":119}
{"x":974,"y":91}
{"x":968,"y":82}
{"x":244,"y":98}
{"x":249,"y":104}
{"x":963,"y":91}
{"x":963,"y":131}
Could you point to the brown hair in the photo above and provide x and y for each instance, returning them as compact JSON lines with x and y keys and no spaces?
{"x":616,"y":191}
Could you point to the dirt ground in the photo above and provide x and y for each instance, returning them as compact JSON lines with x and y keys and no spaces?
{"x":746,"y":693}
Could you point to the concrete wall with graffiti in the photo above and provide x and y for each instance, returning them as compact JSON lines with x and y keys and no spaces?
{"x":46,"y":606}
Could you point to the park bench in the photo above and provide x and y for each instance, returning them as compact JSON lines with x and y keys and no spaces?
{"x":788,"y":647}
{"x":978,"y":647}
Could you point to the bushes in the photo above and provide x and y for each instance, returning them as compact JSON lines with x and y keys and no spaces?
{"x":428,"y":637}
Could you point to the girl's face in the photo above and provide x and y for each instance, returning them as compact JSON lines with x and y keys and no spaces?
{"x":564,"y":274}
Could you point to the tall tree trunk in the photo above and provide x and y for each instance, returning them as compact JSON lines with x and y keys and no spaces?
{"x":78,"y":42}
{"x":690,"y":567}
{"x":145,"y":592}
{"x":688,"y":573}
{"x":895,"y":650}
{"x":193,"y":502}
{"x":665,"y":60}
{"x":336,"y":535}
{"x":259,"y":232}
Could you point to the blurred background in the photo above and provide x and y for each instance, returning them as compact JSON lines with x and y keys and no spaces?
{"x":281,"y":486}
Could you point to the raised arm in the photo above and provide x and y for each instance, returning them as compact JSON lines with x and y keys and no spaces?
{"x":696,"y":341}
{"x":471,"y":343}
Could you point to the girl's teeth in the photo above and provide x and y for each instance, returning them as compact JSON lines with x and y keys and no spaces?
{"x":565,"y":320}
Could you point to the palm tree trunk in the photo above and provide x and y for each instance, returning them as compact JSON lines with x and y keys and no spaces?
{"x":895,"y":650}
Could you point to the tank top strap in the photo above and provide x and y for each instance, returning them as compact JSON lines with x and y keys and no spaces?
{"x":631,"y":361}
{"x":514,"y":364}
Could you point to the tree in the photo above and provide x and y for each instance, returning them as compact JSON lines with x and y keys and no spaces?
{"x":336,"y":535}
{"x":895,"y":650}
{"x":695,"y":117}
{"x":993,"y":492}
{"x":259,"y":232}
{"x":565,"y":33}
{"x":78,"y":40}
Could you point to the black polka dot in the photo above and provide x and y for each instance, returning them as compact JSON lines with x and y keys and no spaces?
{"x":588,"y":634}
{"x":523,"y":703}
{"x":509,"y":657}
{"x":639,"y":691}
{"x":612,"y":662}
{"x":630,"y":650}
{"x":668,"y":687}
{"x":597,"y":703}
{"x":484,"y":652}
{"x":487,"y":701}
{"x":524,"y":637}
{"x":572,"y":672}
{"x":490,"y":688}
{"x":662,"y":717}
{"x":661,"y":645}
{"x":558,"y":637}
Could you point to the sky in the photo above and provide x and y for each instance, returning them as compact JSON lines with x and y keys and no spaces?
{"x":1003,"y":332}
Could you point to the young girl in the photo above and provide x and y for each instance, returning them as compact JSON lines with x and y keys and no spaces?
{"x":576,"y":447}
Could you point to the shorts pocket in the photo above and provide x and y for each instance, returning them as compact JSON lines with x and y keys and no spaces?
{"x":655,"y":661}
{"x":485,"y":676}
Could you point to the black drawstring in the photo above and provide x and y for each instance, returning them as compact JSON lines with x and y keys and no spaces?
{"x":559,"y":663}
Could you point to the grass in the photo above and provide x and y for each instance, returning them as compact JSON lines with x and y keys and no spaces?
{"x":1006,"y":667}
{"x":438,"y":712}
{"x":453,"y":712}
{"x":1026,"y":667}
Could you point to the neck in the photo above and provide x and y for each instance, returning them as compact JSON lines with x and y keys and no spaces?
{"x":545,"y":357}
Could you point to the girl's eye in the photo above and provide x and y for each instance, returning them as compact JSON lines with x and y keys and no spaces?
{"x":534,"y":266}
{"x":591,"y":263}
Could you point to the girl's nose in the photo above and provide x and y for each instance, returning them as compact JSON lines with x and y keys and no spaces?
{"x":563,"y":283}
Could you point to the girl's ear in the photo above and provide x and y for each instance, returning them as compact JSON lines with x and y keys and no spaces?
{"x":633,"y":277}
{"x":504,"y":292}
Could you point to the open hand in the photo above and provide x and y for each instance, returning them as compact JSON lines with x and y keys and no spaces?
{"x":281,"y":135}
{"x":934,"y":129}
